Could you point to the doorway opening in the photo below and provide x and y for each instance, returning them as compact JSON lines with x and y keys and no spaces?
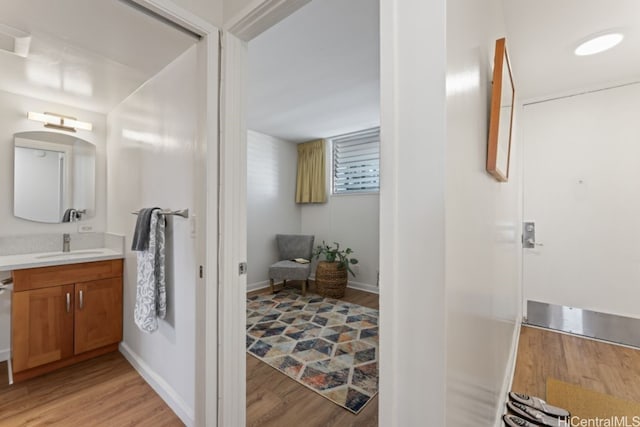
{"x":313,"y":78}
{"x":152,"y":117}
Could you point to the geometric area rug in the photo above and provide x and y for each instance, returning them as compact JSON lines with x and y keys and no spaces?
{"x":327,"y":345}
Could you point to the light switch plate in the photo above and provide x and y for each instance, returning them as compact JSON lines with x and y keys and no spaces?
{"x":85,"y":228}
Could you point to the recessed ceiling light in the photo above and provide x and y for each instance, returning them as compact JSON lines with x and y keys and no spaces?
{"x":598,"y":44}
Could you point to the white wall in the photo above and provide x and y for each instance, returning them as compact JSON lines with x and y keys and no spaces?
{"x":152,"y":162}
{"x":582,"y":181}
{"x":353,"y":221}
{"x":271,"y":206}
{"x":449,"y":232}
{"x":482,"y":225}
{"x":13,"y":119}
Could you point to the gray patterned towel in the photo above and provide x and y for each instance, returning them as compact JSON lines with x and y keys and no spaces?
{"x":151,"y":297}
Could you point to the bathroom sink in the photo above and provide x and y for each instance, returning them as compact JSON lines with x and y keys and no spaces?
{"x":70,"y":254}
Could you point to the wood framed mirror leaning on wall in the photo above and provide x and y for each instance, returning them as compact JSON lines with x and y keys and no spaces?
{"x":501,"y":118}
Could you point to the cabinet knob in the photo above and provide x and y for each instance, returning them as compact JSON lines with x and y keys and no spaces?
{"x":68,"y":302}
{"x":81,"y":295}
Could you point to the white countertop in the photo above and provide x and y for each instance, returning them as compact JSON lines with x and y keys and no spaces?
{"x":45,"y":259}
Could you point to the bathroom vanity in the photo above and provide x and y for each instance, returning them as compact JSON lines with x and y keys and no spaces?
{"x":64,"y":314}
{"x":66,"y":307}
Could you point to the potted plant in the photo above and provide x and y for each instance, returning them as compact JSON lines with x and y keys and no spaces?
{"x":331,"y":274}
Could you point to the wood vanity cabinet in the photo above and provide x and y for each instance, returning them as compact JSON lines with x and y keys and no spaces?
{"x":61,"y":315}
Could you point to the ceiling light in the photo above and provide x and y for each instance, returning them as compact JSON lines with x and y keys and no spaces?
{"x":57,"y":121}
{"x":598,"y":44}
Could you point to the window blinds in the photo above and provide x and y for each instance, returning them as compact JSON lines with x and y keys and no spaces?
{"x":356,"y":162}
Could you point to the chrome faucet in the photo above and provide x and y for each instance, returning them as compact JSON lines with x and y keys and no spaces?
{"x":66,"y":242}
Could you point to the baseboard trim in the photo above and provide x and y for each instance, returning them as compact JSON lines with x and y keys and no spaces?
{"x":160,"y":386}
{"x":5,"y":355}
{"x":507,"y":384}
{"x":257,"y":286}
{"x":363,"y":287}
{"x":353,"y":285}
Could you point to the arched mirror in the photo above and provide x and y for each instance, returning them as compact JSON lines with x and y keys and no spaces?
{"x":54,"y":177}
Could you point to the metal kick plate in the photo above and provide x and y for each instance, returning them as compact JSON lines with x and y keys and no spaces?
{"x":592,"y":324}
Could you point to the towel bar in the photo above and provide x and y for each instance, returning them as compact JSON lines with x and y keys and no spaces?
{"x":184,"y":213}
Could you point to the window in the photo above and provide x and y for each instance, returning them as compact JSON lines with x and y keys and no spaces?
{"x":356,"y":162}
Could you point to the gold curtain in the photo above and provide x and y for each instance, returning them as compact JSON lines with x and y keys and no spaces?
{"x":311,"y":181}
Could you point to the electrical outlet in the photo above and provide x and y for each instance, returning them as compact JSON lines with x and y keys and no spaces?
{"x":85,"y":228}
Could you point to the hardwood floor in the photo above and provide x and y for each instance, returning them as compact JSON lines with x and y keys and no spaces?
{"x":605,"y":368}
{"x":105,"y":391}
{"x":275,"y":400}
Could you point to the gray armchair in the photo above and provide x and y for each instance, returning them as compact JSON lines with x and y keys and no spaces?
{"x":291,"y":246}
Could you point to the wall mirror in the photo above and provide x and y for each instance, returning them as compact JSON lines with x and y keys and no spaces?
{"x":54,"y":177}
{"x":502,"y":96}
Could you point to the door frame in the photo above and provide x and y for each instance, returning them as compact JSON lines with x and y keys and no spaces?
{"x":221,"y":295}
{"x":404,"y":375}
{"x":206,"y":211}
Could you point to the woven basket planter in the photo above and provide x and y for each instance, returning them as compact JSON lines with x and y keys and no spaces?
{"x":331,"y":281}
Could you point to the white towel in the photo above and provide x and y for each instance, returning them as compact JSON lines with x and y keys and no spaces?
{"x":151,"y":296}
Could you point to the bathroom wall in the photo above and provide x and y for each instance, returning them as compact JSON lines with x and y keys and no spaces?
{"x":271,"y":207}
{"x":152,"y":162}
{"x":13,"y":118}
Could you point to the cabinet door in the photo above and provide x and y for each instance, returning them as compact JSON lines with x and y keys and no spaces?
{"x":98,"y":317}
{"x":42,"y":327}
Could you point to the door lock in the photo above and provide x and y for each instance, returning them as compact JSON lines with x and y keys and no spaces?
{"x":529,"y":236}
{"x":242,"y":268}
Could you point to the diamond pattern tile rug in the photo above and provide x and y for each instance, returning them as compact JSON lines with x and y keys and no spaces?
{"x":327,"y":345}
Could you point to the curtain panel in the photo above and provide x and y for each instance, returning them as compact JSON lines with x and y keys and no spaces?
{"x":311,"y":180}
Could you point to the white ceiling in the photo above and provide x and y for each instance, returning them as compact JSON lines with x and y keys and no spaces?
{"x":543,"y":34}
{"x":317,"y":74}
{"x":89,"y":54}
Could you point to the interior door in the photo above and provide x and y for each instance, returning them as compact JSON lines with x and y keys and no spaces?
{"x":582,"y":190}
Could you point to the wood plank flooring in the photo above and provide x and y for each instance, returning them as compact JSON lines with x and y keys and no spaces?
{"x":105,"y":391}
{"x":605,"y":368}
{"x":275,"y":400}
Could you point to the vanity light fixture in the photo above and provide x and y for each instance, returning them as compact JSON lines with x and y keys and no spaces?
{"x":598,"y":43}
{"x":56,"y":121}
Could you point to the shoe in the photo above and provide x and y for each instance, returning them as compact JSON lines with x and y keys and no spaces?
{"x":539,"y":404}
{"x":515,"y":421}
{"x":535,"y":416}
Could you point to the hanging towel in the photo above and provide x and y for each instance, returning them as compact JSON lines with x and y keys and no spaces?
{"x":151,"y":296}
{"x":141,"y":233}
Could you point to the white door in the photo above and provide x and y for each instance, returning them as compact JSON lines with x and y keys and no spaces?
{"x":582,"y":190}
